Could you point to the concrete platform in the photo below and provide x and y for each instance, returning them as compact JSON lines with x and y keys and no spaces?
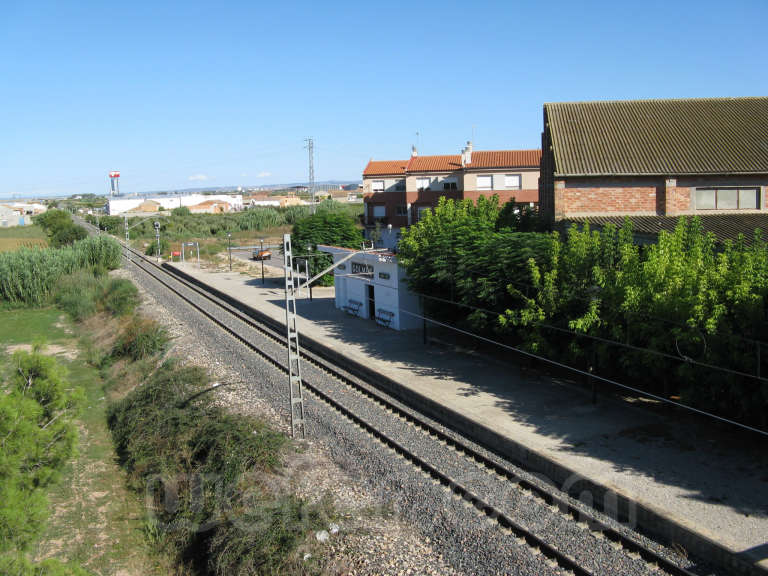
{"x":708,"y":484}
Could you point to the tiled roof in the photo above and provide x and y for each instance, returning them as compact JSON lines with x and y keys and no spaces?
{"x":723,"y":226}
{"x":385,"y":167}
{"x":445,"y":163}
{"x":452,"y":162}
{"x":660,"y":137}
{"x":505,"y":159}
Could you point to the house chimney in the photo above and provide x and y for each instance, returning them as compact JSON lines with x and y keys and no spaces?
{"x":414,"y":152}
{"x":466,"y":154}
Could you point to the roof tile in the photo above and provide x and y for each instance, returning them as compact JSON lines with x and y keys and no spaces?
{"x":660,"y":137}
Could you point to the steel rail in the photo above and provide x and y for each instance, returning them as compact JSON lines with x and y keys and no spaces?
{"x":593,"y":524}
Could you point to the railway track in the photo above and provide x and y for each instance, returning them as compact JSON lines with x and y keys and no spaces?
{"x":603,"y":549}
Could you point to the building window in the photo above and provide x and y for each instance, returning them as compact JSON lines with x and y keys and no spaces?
{"x":383,"y":275}
{"x":420,"y":211}
{"x":342,"y":266}
{"x":727,"y":198}
{"x":400,"y":186}
{"x":512,"y":181}
{"x":422,"y":183}
{"x":401,"y":210}
{"x":449,"y":185}
{"x":485,"y":182}
{"x":379,"y":211}
{"x":378,"y":186}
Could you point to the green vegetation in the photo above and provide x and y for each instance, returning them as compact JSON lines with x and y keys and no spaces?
{"x":83,"y":293}
{"x":59,"y":227}
{"x":37,"y":411}
{"x":463,"y":252}
{"x":180,"y":225}
{"x":324,"y":227}
{"x":141,"y":339}
{"x":176,"y":443}
{"x":684,"y":296}
{"x":22,"y":236}
{"x":28,"y":276}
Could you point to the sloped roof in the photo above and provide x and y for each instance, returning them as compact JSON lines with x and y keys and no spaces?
{"x":505,"y":159}
{"x":444,"y":163}
{"x":385,"y":167}
{"x":452,"y":162}
{"x":660,"y":137}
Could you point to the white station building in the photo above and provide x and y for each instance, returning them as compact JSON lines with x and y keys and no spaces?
{"x":372,"y":285}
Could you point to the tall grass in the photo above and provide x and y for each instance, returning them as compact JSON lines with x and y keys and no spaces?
{"x":29,"y":275}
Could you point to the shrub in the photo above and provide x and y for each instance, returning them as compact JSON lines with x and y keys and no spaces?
{"x":151,"y":250}
{"x":180,"y":211}
{"x":140,"y":339}
{"x":120,"y":296}
{"x":68,"y":235}
{"x":77,"y":294}
{"x":325,"y":227}
{"x":225,"y":520}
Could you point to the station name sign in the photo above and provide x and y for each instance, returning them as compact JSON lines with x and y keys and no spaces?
{"x":360,"y":268}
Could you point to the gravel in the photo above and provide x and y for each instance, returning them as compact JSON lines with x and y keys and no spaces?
{"x":428,"y":526}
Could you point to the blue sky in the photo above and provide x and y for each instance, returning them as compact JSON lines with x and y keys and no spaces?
{"x":223,"y":93}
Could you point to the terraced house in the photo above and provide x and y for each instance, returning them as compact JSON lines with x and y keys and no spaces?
{"x":396,"y":192}
{"x":654,"y":160}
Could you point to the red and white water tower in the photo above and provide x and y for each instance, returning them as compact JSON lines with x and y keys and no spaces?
{"x":114,"y":181}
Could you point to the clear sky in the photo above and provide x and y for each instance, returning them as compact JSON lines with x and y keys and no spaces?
{"x":221,"y":93}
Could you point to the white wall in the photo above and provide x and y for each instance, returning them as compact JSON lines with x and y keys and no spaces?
{"x":390,"y":294}
{"x":120,"y":205}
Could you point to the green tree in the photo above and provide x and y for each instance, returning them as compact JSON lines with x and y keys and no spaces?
{"x":324,"y":227}
{"x":37,"y":409}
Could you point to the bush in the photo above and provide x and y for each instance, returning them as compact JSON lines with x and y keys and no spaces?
{"x":78,"y":293}
{"x":120,"y":297}
{"x":151,"y":250}
{"x":67,"y":235}
{"x":181,"y":211}
{"x":140,"y":339}
{"x":224,"y":519}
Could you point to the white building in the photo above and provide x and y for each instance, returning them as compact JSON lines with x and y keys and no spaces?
{"x":119,"y":205}
{"x":372,"y":285}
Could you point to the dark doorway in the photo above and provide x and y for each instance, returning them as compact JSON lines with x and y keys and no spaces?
{"x":371,"y":302}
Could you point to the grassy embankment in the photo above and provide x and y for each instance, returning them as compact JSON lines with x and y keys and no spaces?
{"x":94,"y":521}
{"x":213,"y":506}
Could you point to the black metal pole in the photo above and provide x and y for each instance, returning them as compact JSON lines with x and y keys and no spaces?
{"x":309,"y":270}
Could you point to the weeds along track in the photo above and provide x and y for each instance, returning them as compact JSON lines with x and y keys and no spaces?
{"x":569,"y":536}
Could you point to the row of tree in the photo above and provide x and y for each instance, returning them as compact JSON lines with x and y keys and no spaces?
{"x":683,"y":318}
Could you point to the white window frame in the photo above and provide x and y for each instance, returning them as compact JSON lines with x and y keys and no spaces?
{"x":420,"y":180}
{"x":377,"y":186}
{"x":518,"y":177}
{"x":737,"y":189}
{"x":490,"y":180}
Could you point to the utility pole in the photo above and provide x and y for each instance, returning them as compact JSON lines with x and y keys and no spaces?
{"x":229,"y":249}
{"x":157,"y":237}
{"x":311,"y":148}
{"x":309,"y":270}
{"x":262,"y":260}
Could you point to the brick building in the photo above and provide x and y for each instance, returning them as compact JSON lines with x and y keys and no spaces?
{"x":706,"y":156}
{"x":395,"y":192}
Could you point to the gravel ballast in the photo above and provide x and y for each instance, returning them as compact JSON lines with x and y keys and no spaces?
{"x":448,"y":527}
